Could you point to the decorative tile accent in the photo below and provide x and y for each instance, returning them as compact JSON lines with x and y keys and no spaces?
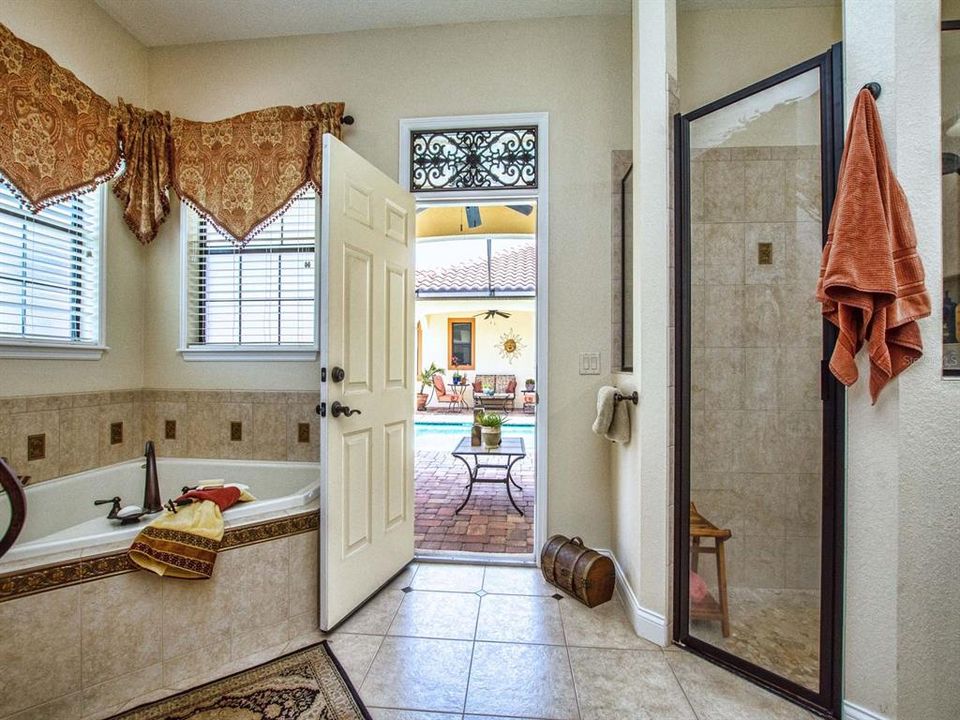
{"x":303,"y":432}
{"x":116,"y":433}
{"x":36,"y":447}
{"x":236,"y":431}
{"x":57,"y":575}
{"x":169,"y":429}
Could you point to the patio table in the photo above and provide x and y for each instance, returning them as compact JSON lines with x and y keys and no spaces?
{"x":511,"y":448}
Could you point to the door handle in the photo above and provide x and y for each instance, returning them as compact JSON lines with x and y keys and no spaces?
{"x":336,"y":409}
{"x":337,"y":374}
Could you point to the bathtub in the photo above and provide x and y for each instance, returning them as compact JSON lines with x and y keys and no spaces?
{"x":62,"y":519}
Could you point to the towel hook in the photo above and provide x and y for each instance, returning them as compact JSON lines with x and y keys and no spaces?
{"x":633,"y":397}
{"x":874,"y":88}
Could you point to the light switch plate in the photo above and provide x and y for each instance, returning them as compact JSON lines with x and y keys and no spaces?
{"x":590,"y":363}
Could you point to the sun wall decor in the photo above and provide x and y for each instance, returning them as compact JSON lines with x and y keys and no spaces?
{"x":510,"y":346}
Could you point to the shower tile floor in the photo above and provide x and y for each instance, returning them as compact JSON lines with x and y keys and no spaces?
{"x":461,"y":642}
{"x":776,"y":629}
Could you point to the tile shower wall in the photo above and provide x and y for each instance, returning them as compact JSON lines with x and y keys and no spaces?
{"x":755,"y":359}
{"x":80,"y":431}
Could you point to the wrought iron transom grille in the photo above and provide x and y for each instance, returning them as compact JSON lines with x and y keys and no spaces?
{"x":473,"y":159}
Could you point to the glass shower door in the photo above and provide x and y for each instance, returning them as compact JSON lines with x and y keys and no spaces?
{"x":756,"y":467}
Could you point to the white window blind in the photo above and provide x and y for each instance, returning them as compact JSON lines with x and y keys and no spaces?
{"x":50,"y":271}
{"x":260,"y":296}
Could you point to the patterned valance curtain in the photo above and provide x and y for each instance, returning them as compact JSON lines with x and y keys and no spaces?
{"x":144,"y":187}
{"x":242,"y":172}
{"x":58,"y":138}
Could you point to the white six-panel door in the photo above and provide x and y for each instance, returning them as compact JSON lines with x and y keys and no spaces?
{"x":367,"y":284}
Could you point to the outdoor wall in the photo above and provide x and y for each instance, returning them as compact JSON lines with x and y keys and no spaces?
{"x":488,"y":334}
{"x":577,"y":69}
{"x":84,"y":39}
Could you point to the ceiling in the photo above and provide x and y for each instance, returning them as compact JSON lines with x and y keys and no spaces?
{"x":183,"y":22}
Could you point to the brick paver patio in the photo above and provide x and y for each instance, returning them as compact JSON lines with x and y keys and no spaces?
{"x":487,"y":524}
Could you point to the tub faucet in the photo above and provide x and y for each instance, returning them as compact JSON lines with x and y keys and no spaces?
{"x":24,"y":479}
{"x":151,"y":484}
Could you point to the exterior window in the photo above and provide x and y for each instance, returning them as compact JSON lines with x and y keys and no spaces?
{"x":259,"y":299}
{"x":50,"y":277}
{"x":460,"y":334}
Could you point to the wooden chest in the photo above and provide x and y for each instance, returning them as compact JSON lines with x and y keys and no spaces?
{"x":577,"y":570}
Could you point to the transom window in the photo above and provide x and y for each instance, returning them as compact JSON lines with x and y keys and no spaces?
{"x":459,"y":159}
{"x":259,"y":297}
{"x":50,"y":274}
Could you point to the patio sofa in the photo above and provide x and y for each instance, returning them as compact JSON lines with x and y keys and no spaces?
{"x":504,"y":392}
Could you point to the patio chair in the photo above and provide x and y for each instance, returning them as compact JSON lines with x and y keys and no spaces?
{"x":452,"y":399}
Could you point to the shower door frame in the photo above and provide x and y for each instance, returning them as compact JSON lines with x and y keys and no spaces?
{"x":827,"y":701}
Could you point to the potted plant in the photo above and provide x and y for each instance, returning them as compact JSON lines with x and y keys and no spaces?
{"x":530,"y":384}
{"x":490,"y":426}
{"x":454,"y":365}
{"x":426,"y":380}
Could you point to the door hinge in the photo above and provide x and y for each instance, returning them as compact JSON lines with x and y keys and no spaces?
{"x":322,"y":409}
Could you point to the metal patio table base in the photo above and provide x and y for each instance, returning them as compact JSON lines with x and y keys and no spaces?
{"x":510,"y":448}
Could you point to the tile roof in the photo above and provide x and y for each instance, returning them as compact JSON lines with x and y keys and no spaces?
{"x":511,"y":271}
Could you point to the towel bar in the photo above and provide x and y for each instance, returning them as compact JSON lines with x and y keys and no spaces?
{"x":633,"y":397}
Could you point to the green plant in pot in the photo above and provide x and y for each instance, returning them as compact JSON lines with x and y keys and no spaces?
{"x":490,"y":427}
{"x":530,"y":384}
{"x":426,"y":381}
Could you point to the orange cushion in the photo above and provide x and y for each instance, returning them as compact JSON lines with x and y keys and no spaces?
{"x":511,"y":386}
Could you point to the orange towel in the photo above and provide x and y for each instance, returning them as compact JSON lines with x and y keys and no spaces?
{"x":871,"y":277}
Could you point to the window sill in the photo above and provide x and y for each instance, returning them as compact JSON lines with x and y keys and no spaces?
{"x":242,"y":354}
{"x":50,"y":351}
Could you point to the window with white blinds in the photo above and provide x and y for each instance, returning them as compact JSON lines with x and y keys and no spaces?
{"x":50,"y":273}
{"x":261,"y":297}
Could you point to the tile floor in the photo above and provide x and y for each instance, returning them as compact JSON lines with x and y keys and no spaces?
{"x":488,"y":523}
{"x":459,"y":642}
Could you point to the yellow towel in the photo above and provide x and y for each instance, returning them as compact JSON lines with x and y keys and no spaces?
{"x":183,"y":544}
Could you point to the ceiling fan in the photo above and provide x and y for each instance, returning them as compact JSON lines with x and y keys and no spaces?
{"x":492,"y":314}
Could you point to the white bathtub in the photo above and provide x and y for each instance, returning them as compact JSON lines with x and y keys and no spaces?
{"x":62,"y":519}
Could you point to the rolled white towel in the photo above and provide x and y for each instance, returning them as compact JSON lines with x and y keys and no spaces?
{"x":613,"y":418}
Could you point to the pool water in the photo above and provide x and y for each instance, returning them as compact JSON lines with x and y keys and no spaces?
{"x":443,"y":437}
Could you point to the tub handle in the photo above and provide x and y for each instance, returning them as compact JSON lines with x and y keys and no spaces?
{"x":18,"y":506}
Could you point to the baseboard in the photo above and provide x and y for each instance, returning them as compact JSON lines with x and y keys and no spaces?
{"x":649,"y":625}
{"x":855,"y":712}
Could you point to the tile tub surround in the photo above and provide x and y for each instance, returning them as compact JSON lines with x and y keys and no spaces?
{"x":182,"y":423}
{"x":756,"y":336}
{"x":90,"y":649}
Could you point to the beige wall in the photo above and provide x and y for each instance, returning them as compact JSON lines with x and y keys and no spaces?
{"x":83,"y":38}
{"x":721,"y":51}
{"x":575,"y":69}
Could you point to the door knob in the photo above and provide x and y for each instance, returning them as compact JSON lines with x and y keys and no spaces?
{"x":336,"y":409}
{"x":337,"y":374}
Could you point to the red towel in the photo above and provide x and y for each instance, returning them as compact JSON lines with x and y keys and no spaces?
{"x":224,"y":497}
{"x":871,"y":277}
